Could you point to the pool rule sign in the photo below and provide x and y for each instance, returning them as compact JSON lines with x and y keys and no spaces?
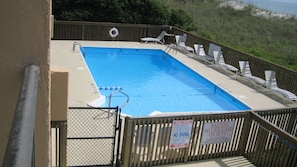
{"x":217,"y":132}
{"x":180,"y":133}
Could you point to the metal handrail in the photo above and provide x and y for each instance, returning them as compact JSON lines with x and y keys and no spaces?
{"x":114,"y":92}
{"x":20,"y":149}
{"x":80,"y":46}
{"x":109,"y":103}
{"x":170,"y":47}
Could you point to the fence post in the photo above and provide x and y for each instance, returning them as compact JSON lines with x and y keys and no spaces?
{"x":83,"y":32}
{"x":127,"y":142}
{"x":292,"y":121}
{"x":63,"y":144}
{"x":245,"y":133}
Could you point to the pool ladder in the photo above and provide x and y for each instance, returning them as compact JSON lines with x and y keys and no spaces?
{"x":109,"y":113}
{"x":118,"y":91}
{"x":79,"y":46}
{"x":170,"y":47}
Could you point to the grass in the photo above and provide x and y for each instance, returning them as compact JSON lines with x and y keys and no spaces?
{"x":273,"y":39}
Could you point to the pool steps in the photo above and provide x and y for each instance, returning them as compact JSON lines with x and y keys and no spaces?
{"x":110,"y":88}
{"x":102,"y":99}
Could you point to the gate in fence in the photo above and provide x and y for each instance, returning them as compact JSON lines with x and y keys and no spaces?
{"x":92,"y":138}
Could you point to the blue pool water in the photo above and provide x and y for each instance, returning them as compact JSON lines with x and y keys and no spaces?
{"x":154,"y":81}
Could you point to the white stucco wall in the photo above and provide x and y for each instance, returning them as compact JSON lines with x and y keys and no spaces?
{"x":24,"y":36}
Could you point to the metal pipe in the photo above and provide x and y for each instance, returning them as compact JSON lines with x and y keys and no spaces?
{"x":20,"y":147}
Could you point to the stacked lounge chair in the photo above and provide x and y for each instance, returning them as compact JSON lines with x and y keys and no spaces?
{"x":246,"y":72}
{"x":181,"y":43}
{"x":212,"y":48}
{"x":219,"y":60}
{"x":271,"y":84}
{"x":199,"y":49}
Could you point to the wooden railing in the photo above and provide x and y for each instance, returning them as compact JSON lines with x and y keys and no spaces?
{"x":268,"y":145}
{"x":146,"y":140}
{"x":285,"y":119}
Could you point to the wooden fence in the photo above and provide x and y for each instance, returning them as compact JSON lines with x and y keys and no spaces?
{"x":99,"y":31}
{"x":146,"y":141}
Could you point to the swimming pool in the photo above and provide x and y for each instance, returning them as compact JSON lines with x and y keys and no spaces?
{"x":154,"y":81}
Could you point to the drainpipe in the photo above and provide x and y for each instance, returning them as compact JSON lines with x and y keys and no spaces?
{"x":20,"y":147}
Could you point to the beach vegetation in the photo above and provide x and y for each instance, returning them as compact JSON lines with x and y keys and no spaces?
{"x":270,"y":38}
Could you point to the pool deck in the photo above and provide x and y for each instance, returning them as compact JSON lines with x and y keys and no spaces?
{"x":83,"y":90}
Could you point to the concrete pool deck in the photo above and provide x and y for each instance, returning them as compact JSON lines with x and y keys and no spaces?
{"x":82,"y":88}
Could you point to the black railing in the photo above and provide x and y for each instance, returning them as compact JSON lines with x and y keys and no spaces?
{"x":20,"y":148}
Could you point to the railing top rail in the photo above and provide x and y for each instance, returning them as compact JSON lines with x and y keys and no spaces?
{"x":194,"y":115}
{"x":110,"y":24}
{"x":289,"y":109}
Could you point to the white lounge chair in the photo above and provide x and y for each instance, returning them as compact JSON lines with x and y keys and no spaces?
{"x":213,"y":47}
{"x":199,"y":49}
{"x":160,"y":39}
{"x":272,"y":85}
{"x":246,"y":72}
{"x":219,"y":60}
{"x":181,"y":42}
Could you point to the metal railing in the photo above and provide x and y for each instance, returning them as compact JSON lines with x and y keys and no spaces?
{"x":80,"y":47}
{"x":20,"y":148}
{"x":118,"y":91}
